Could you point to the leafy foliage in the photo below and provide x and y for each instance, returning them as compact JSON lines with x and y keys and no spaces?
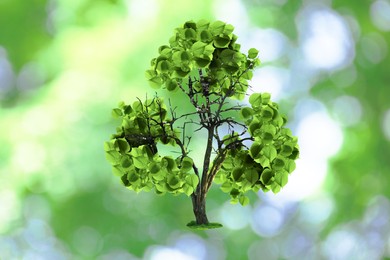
{"x":132,"y":151}
{"x":209,"y":47}
{"x":270,"y":157}
{"x":256,"y":152}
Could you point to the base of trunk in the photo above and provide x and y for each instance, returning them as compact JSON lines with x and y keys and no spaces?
{"x":199,"y":208}
{"x":193,"y":225}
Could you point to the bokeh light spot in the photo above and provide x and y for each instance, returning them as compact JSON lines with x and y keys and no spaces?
{"x":316,"y":210}
{"x":192,"y":245}
{"x":380,"y":14}
{"x":270,"y":79}
{"x":386,"y":124}
{"x":29,"y":156}
{"x":267,"y":220}
{"x":87,"y":241}
{"x":234,"y":216}
{"x":233,"y":12}
{"x":374,"y":47}
{"x":161,"y":252}
{"x":10,"y":208}
{"x":271,"y":43}
{"x":347,"y":110}
{"x":326,"y":40}
{"x":319,"y":136}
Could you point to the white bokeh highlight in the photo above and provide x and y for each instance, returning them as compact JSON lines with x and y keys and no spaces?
{"x":271,"y":43}
{"x":347,"y":110}
{"x":319,"y":138}
{"x":270,"y":79}
{"x":380,"y":14}
{"x":325,"y":38}
{"x":386,"y":124}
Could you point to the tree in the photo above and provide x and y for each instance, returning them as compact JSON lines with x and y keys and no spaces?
{"x":247,"y":147}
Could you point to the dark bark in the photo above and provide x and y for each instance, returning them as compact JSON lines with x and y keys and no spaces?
{"x":199,"y":207}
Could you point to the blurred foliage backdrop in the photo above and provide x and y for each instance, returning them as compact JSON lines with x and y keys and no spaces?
{"x":65,"y":64}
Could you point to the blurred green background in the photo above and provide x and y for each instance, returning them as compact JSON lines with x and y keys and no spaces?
{"x":65,"y":64}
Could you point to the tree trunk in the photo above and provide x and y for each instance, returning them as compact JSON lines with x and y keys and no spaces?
{"x":199,"y":207}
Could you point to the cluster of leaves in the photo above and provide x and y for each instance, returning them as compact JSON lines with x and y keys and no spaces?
{"x":133,"y":153}
{"x":270,"y":158}
{"x":211,"y":48}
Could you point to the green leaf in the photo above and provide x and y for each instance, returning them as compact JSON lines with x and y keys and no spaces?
{"x":203,"y":62}
{"x":267,"y":112}
{"x":264,"y":161}
{"x":286,"y":149}
{"x":225,"y":83}
{"x":290,"y":165}
{"x":275,"y":187}
{"x":220,"y":177}
{"x":133,"y":178}
{"x":228,"y":163}
{"x":268,"y":132}
{"x":123,"y":145}
{"x":198,"y":48}
{"x":160,"y":187}
{"x":124,"y":180}
{"x":221,"y":41}
{"x":237,"y":173}
{"x":246,"y":112}
{"x":266,"y":98}
{"x":209,"y":50}
{"x":174,"y":182}
{"x":159,"y":176}
{"x":162,"y":48}
{"x":255,"y":125}
{"x":255,"y":150}
{"x":217,"y":27}
{"x":281,"y":178}
{"x":228,"y":29}
{"x":188,"y":190}
{"x":295,"y":154}
{"x":244,"y":200}
{"x":137,"y":105}
{"x":278,"y":163}
{"x":255,"y":100}
{"x":202,"y":24}
{"x":252,"y":53}
{"x":228,"y":56}
{"x":252,"y":176}
{"x":154,"y":168}
{"x":168,"y":162}
{"x":116,"y":113}
{"x":156,"y":82}
{"x":163,"y":66}
{"x":171,"y":85}
{"x":247,"y":75}
{"x":109,"y":145}
{"x":206,"y":36}
{"x":192,"y":180}
{"x":113,"y":157}
{"x":269,"y":152}
{"x":186,"y":164}
{"x":127,"y":109}
{"x":190,"y":34}
{"x":141,"y":162}
{"x":149,"y":74}
{"x":267,"y":177}
{"x":226,"y":187}
{"x":234,"y":193}
{"x":126,"y":161}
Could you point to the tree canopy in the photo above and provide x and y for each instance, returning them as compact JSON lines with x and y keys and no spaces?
{"x":252,"y":149}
